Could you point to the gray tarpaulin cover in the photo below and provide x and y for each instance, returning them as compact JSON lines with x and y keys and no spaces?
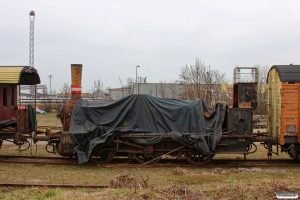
{"x":95,"y":124}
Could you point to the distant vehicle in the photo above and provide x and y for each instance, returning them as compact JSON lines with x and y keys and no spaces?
{"x":39,"y":111}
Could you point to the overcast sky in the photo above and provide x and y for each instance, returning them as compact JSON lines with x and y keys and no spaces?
{"x":110,"y":38}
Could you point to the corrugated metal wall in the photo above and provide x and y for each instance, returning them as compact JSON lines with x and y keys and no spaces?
{"x":10,"y":74}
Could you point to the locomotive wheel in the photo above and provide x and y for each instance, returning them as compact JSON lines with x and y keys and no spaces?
{"x":102,"y":156}
{"x":196,"y":158}
{"x":298,"y":156}
{"x":150,"y":153}
{"x":292,"y":156}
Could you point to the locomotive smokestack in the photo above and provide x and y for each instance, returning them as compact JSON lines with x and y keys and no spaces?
{"x":76,"y":74}
{"x":65,"y":113}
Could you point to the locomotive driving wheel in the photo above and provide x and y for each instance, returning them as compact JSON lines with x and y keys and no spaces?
{"x":196,"y":158}
{"x":298,"y":156}
{"x":150,"y":154}
{"x":102,"y":155}
{"x":291,"y":155}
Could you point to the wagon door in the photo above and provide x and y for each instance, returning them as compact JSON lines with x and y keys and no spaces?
{"x":289,"y":113}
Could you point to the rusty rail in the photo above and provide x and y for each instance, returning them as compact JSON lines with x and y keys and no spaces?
{"x":37,"y":157}
{"x":52,"y":185}
{"x":46,"y":163}
{"x":222,"y":163}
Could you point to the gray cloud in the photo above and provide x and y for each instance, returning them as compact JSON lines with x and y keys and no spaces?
{"x":111,"y":37}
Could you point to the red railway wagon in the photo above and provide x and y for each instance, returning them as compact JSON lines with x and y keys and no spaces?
{"x":14,"y":121}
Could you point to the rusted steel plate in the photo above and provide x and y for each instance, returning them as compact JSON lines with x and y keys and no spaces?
{"x":239,"y":121}
{"x":245,"y":95}
{"x":23,"y":120}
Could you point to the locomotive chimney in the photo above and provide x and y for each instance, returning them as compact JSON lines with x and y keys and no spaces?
{"x":76,"y":74}
{"x":65,"y":113}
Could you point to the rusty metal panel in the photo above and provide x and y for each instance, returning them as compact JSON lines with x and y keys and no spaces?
{"x":66,"y":145}
{"x":245,"y":95}
{"x":240,"y":120}
{"x":23,"y":124}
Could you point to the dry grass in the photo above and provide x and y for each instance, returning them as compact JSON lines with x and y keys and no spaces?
{"x":49,"y":119}
{"x":148,"y":183}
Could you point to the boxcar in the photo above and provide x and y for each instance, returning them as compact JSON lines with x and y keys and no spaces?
{"x":283,"y":107}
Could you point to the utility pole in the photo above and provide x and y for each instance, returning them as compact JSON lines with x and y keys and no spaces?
{"x":136,"y":80}
{"x":50,"y":76}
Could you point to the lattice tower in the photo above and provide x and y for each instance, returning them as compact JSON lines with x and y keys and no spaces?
{"x":31,"y":39}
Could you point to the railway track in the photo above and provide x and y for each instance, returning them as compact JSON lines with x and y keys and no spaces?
{"x":124,"y":162}
{"x":36,"y":157}
{"x":52,"y":185}
{"x":41,"y":160}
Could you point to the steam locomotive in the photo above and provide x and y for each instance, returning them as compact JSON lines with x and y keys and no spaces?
{"x":146,"y":128}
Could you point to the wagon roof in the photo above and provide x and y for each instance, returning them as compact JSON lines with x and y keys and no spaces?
{"x":23,"y":75}
{"x":287,"y":73}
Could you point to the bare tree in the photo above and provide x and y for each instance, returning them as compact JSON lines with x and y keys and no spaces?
{"x":172,"y":89}
{"x":53,"y":92}
{"x":199,"y":81}
{"x":65,"y":90}
{"x":262,"y":89}
{"x":262,"y":73}
{"x":163,"y":89}
{"x":130,"y":84}
{"x":96,"y":89}
{"x":121,"y":84}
